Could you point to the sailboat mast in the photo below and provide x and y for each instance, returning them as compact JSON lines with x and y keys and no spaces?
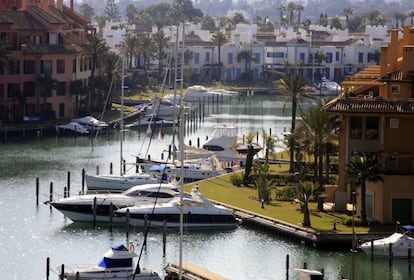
{"x":121,"y":122}
{"x":181,"y":141}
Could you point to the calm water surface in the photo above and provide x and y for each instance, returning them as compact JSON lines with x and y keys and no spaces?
{"x":29,"y":233}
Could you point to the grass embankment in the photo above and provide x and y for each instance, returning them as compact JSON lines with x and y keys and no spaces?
{"x":222,"y":190}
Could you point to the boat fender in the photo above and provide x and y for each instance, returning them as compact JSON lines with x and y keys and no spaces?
{"x":131,"y":248}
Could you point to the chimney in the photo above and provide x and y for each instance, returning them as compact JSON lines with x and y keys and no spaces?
{"x":59,"y":5}
{"x":71,"y":5}
{"x":24,"y":5}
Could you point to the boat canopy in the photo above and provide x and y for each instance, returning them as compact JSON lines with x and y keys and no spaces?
{"x":408,"y":227}
{"x":117,"y":256}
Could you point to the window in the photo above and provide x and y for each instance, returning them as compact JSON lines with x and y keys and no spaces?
{"x":302,"y":57}
{"x":207,"y":57}
{"x":328,"y":57}
{"x":60,"y":66}
{"x":61,"y":89}
{"x":230,"y":58}
{"x":74,"y":65}
{"x":29,"y":67}
{"x":14,"y":68}
{"x":337,"y":56}
{"x":257,"y":58}
{"x":371,"y":124}
{"x":197,"y":58}
{"x":360,"y":57}
{"x":46,"y":67}
{"x":395,"y":89}
{"x":61,"y":110}
{"x":13,"y":90}
{"x":1,"y":91}
{"x":29,"y":89}
{"x":356,"y":128}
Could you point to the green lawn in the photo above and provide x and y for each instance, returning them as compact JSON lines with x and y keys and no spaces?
{"x":222,"y":190}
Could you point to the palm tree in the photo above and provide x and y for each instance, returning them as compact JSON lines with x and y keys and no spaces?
{"x":219,"y":39}
{"x":411,"y":15}
{"x":281,"y":9}
{"x":294,"y":87}
{"x":262,"y":183}
{"x":247,"y":55}
{"x":304,"y":194}
{"x":47,"y":84}
{"x":269,"y":142}
{"x":94,"y":49}
{"x":160,"y":41}
{"x":299,"y":8}
{"x":347,"y":12}
{"x":130,"y":47}
{"x":146,"y":49}
{"x":291,"y":7}
{"x":360,"y":170}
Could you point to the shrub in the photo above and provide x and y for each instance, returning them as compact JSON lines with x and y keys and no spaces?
{"x":236,"y":179}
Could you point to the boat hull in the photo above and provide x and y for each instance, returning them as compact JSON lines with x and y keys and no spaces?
{"x":399,"y":244}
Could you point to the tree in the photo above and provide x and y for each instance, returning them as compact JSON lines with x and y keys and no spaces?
{"x":304,"y":194}
{"x":247,"y":55}
{"x":299,"y":8}
{"x":292,"y":86}
{"x":360,"y":170}
{"x":130,"y":46}
{"x":336,"y":23}
{"x":130,"y":13}
{"x":282,"y":9}
{"x":291,"y":7}
{"x":269,"y":142}
{"x":219,"y":39}
{"x":160,"y":41}
{"x":47,"y":85}
{"x":208,"y":23}
{"x":189,"y":12}
{"x":111,"y":10}
{"x":347,"y":12}
{"x":238,"y":18}
{"x":261,"y":181}
{"x":249,"y":158}
{"x":94,"y":49}
{"x":87,"y":11}
{"x":146,"y":49}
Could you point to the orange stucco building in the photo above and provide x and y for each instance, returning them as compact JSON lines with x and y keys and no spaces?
{"x":376,"y":109}
{"x":43,"y":37}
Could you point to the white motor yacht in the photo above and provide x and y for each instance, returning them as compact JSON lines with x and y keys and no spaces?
{"x":399,"y":243}
{"x":92,"y":124}
{"x":198,"y":213}
{"x":72,"y":128}
{"x":116,"y":263}
{"x":119,"y":182}
{"x":81,"y":208}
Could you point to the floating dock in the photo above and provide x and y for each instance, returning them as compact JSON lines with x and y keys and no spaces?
{"x":191,"y":272}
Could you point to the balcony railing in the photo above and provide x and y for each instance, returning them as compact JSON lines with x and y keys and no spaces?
{"x":396,"y":163}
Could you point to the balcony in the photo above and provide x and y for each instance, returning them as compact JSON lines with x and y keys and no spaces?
{"x":395,"y":163}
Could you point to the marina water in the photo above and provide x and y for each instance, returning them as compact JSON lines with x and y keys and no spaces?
{"x":29,"y":234}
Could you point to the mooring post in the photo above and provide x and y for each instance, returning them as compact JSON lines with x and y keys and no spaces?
{"x":127,"y":224}
{"x":83,"y":180}
{"x":50,"y":195}
{"x":94,"y":207}
{"x":110,"y":168}
{"x":390,"y":253}
{"x":97,"y":170}
{"x":68,"y":184}
{"x":409,"y":260}
{"x":47,"y":268}
{"x":62,"y":271}
{"x":164,"y":237}
{"x":37,"y":190}
{"x":287,"y":267}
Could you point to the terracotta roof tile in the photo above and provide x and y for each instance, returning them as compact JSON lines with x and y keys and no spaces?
{"x":370,"y":105}
{"x":21,"y":20}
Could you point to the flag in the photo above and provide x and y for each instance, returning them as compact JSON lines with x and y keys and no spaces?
{"x":161,"y":133}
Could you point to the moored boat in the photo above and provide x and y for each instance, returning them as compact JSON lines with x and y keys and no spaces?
{"x":116,"y":263}
{"x":81,"y":208}
{"x":198,"y":213}
{"x":398,"y":243}
{"x":119,"y":182}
